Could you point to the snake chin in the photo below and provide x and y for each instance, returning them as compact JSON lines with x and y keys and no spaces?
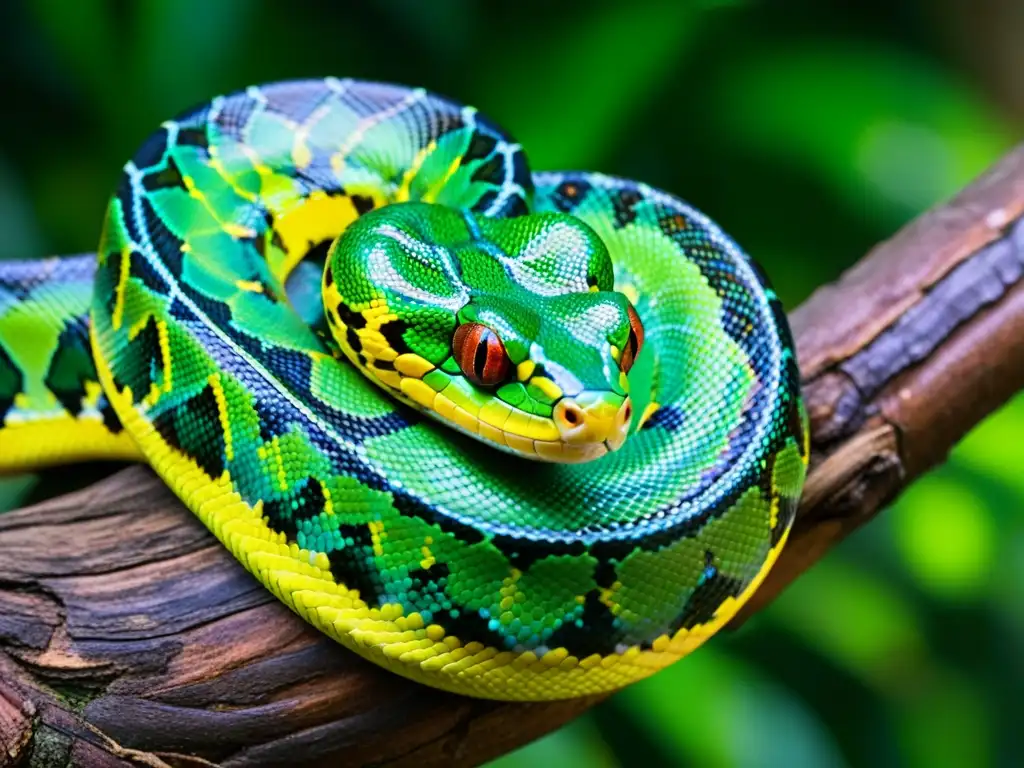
{"x":592,"y":424}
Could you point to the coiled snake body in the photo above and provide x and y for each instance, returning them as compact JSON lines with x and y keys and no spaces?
{"x":541,"y":437}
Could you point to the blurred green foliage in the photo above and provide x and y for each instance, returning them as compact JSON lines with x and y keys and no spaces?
{"x":809,"y":129}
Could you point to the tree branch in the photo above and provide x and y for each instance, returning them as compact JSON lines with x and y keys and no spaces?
{"x":131,"y":638}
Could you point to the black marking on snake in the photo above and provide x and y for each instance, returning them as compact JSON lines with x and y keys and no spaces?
{"x":795,"y":422}
{"x":153,"y":150}
{"x":180,"y":311}
{"x":522,"y":176}
{"x":758,"y":270}
{"x":384,"y":365}
{"x":353,"y":340}
{"x":434,"y":573}
{"x":743,"y":327}
{"x":217,"y":311}
{"x":350,"y":318}
{"x":428,"y":584}
{"x":515,"y":206}
{"x":12,"y":381}
{"x":624,"y":202}
{"x":304,"y":501}
{"x":615,"y":550}
{"x":142,"y":360}
{"x":598,"y":633}
{"x":297,"y":101}
{"x":712,"y":590}
{"x":71,"y":366}
{"x":259,"y":242}
{"x":486,"y":200}
{"x":481,"y":145}
{"x":522,"y":553}
{"x":362,"y":203}
{"x":108,"y":275}
{"x":143,"y":271}
{"x":781,"y":323}
{"x":177,"y":426}
{"x":194,"y":129}
{"x":605,"y":574}
{"x":470,"y":627}
{"x":168,"y":177}
{"x":736,"y":318}
{"x":490,"y":170}
{"x":784,"y":519}
{"x":351,"y":564}
{"x":165,"y":242}
{"x":272,"y":423}
{"x":765,"y":480}
{"x":112,"y":424}
{"x":394,"y":333}
{"x":125,"y":196}
{"x":277,"y":241}
{"x":294,"y":368}
{"x":194,"y":137}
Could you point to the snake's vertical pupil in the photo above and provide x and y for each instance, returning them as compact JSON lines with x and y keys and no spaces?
{"x":480,"y":354}
{"x":635,"y":341}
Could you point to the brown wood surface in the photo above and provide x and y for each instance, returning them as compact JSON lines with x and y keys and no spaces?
{"x":129,"y":637}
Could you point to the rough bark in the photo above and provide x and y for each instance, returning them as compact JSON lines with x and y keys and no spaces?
{"x":130,"y":638}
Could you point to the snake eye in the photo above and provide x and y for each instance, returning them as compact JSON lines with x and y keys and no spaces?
{"x":480,"y":354}
{"x":635,"y":341}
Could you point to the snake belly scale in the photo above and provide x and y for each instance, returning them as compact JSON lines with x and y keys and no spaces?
{"x":514,"y":435}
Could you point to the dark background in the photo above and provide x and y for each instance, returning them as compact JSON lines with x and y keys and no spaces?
{"x":809,"y":129}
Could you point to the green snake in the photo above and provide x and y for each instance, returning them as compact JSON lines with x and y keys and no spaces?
{"x":510,"y":434}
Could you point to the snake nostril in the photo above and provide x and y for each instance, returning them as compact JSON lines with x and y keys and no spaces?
{"x":572,"y":415}
{"x":627,"y":413}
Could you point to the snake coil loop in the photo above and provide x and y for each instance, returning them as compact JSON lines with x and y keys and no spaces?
{"x":542,"y":438}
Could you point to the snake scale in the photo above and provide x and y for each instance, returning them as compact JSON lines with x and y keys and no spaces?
{"x":512,"y":434}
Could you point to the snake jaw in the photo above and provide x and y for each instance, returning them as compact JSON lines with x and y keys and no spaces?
{"x":597,"y":419}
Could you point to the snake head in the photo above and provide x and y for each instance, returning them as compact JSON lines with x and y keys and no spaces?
{"x":508,"y":330}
